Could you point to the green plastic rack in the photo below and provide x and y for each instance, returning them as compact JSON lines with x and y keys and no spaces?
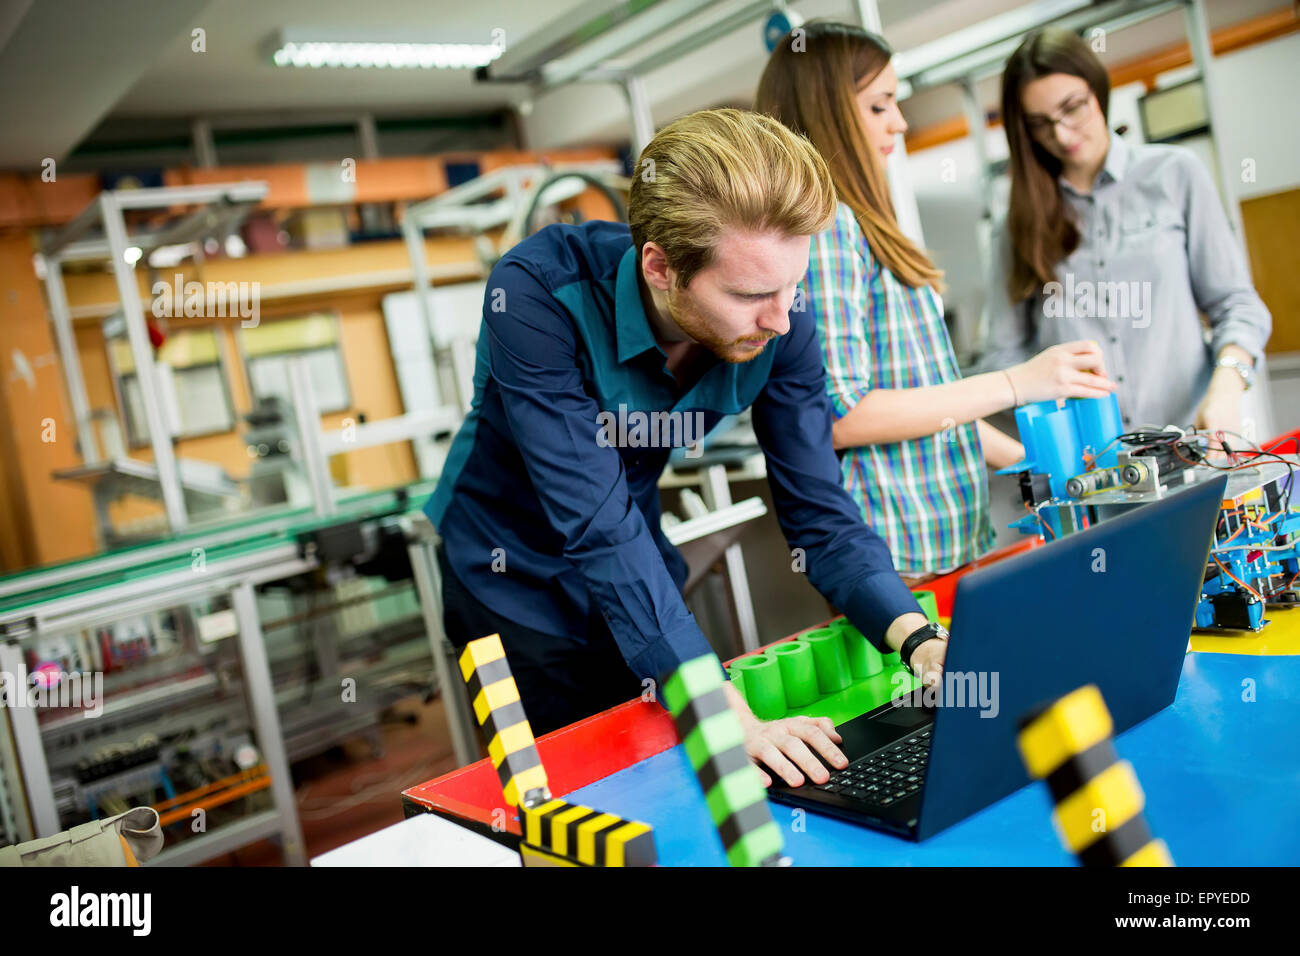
{"x":832,"y":671}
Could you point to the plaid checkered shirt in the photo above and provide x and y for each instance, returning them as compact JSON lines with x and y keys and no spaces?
{"x":927,"y":497}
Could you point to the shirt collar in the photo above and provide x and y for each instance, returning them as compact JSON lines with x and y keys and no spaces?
{"x":631,"y":327}
{"x":1117,"y":158}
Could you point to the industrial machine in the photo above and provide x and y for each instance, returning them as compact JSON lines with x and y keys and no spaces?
{"x":1080,"y":467}
{"x":189,"y":674}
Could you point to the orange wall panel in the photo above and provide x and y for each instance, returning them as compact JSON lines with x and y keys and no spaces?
{"x":50,"y":520}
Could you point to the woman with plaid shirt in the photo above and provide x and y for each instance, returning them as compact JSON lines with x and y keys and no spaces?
{"x":910,"y":427}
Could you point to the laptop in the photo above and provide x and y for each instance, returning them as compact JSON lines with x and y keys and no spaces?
{"x":1111,"y":605}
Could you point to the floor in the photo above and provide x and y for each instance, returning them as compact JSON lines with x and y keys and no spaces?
{"x":348,"y":792}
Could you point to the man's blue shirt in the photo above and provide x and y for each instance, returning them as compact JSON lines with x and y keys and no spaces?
{"x":549,"y":516}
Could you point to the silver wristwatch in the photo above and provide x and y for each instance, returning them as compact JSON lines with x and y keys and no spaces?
{"x":1244,"y":369}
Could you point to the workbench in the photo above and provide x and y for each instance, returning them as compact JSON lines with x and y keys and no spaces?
{"x":1221,"y":773}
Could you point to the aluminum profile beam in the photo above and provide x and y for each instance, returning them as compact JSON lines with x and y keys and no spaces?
{"x":522,"y":62}
{"x":701,"y":37}
{"x":981,"y":50}
{"x":137,"y":334}
{"x":162,"y":197}
{"x":604,"y":47}
{"x":980,"y":36}
{"x":65,"y":338}
{"x":1198,"y":39}
{"x":72,"y":231}
{"x":310,"y":441}
{"x":220,"y":840}
{"x":98,"y":605}
{"x":266,"y":718}
{"x":27,"y":742}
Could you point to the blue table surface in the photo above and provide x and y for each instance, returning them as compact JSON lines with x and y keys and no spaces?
{"x":1221,"y":774}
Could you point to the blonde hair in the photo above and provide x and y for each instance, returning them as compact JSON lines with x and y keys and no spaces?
{"x":725,"y":167}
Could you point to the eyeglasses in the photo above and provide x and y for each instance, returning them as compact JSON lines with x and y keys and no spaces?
{"x":1074,"y":115}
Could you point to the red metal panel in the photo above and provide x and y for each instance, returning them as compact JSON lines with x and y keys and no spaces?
{"x":573,"y":756}
{"x":945,"y":586}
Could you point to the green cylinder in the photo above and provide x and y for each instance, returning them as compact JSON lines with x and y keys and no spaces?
{"x":737,"y":679}
{"x":761,"y":683}
{"x":928,"y":605}
{"x":830,"y":660}
{"x":798,"y":672}
{"x":864,"y":659}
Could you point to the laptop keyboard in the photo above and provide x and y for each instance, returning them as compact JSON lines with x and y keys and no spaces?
{"x":883,"y":778}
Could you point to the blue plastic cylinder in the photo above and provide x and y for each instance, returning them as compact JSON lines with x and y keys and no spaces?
{"x":1026,"y":415}
{"x":1099,"y":425}
{"x":1060,"y":454}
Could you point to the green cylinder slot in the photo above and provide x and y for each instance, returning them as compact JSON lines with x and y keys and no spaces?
{"x":798,"y":672}
{"x":830,"y":659}
{"x":737,"y":675}
{"x":864,"y":659}
{"x":761,"y":685}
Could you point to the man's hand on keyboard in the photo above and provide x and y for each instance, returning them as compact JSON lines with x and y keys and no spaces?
{"x":789,"y":747}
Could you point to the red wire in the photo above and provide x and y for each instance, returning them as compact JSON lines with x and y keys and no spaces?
{"x":1046,"y":527}
{"x":1235,"y":578}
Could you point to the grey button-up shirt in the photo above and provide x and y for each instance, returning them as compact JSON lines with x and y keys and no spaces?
{"x":1154,"y":249}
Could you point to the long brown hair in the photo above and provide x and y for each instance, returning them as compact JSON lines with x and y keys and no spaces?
{"x":809,"y":84}
{"x":1042,"y":229}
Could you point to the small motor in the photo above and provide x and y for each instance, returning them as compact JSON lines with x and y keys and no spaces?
{"x":1128,"y":475}
{"x":1134,"y":473}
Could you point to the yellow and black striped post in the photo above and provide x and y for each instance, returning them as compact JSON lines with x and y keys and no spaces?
{"x":558,"y":833}
{"x":499,"y":710}
{"x":1069,"y":744}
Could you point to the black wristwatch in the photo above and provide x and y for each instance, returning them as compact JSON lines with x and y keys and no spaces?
{"x":919,"y":637}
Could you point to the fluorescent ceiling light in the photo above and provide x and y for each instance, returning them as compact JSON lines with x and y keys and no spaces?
{"x":372,"y":55}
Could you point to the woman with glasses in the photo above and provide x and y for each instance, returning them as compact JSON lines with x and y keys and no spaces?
{"x":910,"y":427}
{"x":1120,"y":244}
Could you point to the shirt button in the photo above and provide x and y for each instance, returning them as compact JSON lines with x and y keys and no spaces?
{"x":1127,"y":420}
{"x":1114,"y":338}
{"x":1101,"y":263}
{"x":1120,"y":378}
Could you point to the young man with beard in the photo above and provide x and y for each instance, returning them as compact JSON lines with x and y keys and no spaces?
{"x":550,"y":524}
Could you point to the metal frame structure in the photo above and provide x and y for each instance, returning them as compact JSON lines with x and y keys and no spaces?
{"x":147,"y":581}
{"x":236,"y":577}
{"x":232,"y":201}
{"x":464,"y":208}
{"x":221,"y":208}
{"x":318,"y":446}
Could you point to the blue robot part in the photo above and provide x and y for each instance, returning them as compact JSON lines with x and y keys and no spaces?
{"x":1062,"y":440}
{"x":1258,"y":544}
